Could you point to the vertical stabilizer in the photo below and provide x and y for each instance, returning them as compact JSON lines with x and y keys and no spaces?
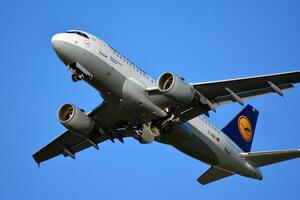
{"x":242,"y":127}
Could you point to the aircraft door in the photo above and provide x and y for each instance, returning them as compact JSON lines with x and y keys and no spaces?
{"x":103,"y":49}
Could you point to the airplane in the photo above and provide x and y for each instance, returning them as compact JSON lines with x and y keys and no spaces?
{"x":169,"y":110}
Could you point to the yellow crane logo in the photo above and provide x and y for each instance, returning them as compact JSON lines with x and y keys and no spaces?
{"x":245,"y":128}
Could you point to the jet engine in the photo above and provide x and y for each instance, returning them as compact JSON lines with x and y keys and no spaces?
{"x":175,"y":88}
{"x":74,"y":119}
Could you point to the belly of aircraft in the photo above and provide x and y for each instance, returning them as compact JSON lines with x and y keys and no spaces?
{"x":190,"y":144}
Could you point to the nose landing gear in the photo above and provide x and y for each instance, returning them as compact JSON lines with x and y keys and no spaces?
{"x":79,"y":72}
{"x":77,"y":77}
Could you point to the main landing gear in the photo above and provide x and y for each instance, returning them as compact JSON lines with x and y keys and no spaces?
{"x":167,"y":128}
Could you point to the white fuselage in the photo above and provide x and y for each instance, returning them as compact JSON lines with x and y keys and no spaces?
{"x":111,"y":72}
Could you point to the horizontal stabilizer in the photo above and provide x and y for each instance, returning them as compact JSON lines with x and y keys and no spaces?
{"x":259,"y":159}
{"x":213,"y":174}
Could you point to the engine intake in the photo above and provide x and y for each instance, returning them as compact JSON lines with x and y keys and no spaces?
{"x":175,"y":88}
{"x":75,"y":119}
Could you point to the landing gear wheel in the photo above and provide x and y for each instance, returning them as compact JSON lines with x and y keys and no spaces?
{"x":77,"y":77}
{"x":168,"y":128}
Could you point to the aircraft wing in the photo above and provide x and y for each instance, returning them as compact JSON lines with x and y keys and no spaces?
{"x":213,"y":174}
{"x":235,"y":90}
{"x":259,"y":159}
{"x":70,"y":143}
{"x":220,"y":92}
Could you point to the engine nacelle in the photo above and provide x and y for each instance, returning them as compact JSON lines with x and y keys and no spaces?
{"x":75,"y":119}
{"x":175,"y":88}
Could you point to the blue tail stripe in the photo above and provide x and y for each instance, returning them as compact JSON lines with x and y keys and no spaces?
{"x":237,"y":126}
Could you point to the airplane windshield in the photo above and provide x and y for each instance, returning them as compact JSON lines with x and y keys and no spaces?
{"x":79,"y":33}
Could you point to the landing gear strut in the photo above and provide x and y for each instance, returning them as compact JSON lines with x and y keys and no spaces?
{"x":79,"y":72}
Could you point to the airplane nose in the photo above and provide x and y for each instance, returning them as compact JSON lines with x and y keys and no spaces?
{"x":60,"y":45}
{"x":56,"y":41}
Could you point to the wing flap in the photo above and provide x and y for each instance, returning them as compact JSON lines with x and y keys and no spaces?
{"x":259,"y":159}
{"x":213,"y":174}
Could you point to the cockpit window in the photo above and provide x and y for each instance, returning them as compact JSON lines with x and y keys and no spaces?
{"x":79,"y":33}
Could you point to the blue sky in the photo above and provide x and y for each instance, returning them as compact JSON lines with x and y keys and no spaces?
{"x":198,"y":40}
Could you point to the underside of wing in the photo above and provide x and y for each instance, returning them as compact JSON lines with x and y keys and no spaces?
{"x":209,"y":95}
{"x":69,"y":143}
{"x":237,"y":89}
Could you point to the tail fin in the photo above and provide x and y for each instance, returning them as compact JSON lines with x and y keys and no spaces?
{"x":241,"y":128}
